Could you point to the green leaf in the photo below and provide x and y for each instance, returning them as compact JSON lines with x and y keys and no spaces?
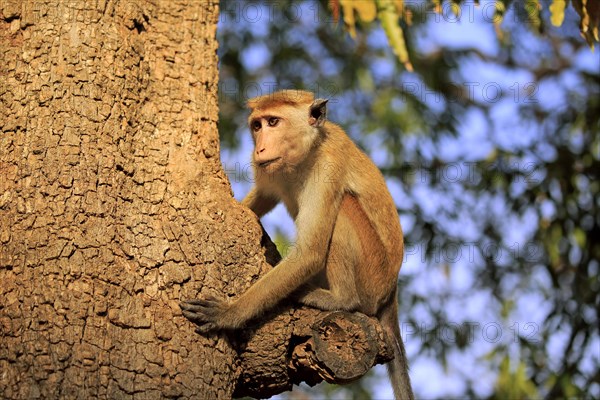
{"x":389,"y":17}
{"x":349,"y":21}
{"x":532,"y":7}
{"x":580,"y":237}
{"x":366,"y":10}
{"x":589,"y":13}
{"x":499,"y":17}
{"x":525,"y":387}
{"x":552,"y":245}
{"x":455,"y":7}
{"x":507,"y":307}
{"x":282,"y":243}
{"x":514,"y":385}
{"x":557,"y":11}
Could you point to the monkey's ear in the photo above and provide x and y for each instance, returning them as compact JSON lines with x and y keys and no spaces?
{"x":318,"y":112}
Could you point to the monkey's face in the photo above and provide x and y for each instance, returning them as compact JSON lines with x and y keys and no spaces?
{"x":282,"y":137}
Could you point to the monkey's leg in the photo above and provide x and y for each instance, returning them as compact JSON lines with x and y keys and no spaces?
{"x":327,"y":300}
{"x":339,"y":273}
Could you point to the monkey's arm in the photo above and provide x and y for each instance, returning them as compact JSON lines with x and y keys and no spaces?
{"x":315,"y":222}
{"x":259,"y":202}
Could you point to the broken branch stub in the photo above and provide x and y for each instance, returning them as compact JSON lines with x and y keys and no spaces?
{"x":338,"y":347}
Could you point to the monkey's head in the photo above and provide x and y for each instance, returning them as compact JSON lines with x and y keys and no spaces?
{"x":285,"y":126}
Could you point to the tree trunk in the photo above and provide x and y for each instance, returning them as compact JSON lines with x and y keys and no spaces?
{"x":114,"y":206}
{"x":111,"y":196}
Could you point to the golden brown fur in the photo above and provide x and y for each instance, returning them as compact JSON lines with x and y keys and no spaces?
{"x":290,"y":97}
{"x":349,"y":247}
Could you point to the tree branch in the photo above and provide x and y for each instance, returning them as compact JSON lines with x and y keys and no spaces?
{"x":308,"y":345}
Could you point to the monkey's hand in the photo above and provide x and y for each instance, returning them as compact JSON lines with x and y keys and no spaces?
{"x":208,"y":313}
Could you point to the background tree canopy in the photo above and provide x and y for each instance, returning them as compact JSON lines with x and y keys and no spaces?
{"x":492,"y":153}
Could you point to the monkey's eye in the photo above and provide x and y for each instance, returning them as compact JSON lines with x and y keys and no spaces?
{"x":256,"y":126}
{"x":273,"y":121}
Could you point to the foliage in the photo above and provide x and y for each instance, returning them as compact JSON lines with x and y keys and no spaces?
{"x":491,"y":148}
{"x":392,"y":12}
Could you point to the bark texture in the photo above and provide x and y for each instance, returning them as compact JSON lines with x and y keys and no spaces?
{"x":337,"y":347}
{"x":114,"y":206}
{"x":111,"y":198}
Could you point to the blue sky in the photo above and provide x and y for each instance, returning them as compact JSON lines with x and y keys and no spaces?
{"x":505,"y":89}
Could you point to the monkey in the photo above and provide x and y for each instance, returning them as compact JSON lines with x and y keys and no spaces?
{"x":349,"y":240}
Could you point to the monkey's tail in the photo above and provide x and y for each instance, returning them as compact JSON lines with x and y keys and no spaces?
{"x":398,"y":367}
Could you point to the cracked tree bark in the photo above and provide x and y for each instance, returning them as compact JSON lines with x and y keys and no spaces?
{"x":114,"y":205}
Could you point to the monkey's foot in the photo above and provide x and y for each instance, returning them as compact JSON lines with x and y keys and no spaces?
{"x":205,"y":313}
